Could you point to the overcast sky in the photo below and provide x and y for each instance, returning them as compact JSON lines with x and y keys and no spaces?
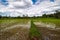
{"x":28,"y":7}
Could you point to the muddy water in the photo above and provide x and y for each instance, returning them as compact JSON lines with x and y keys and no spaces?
{"x":48,"y":33}
{"x":15,"y":32}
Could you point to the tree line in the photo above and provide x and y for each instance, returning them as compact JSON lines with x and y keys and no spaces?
{"x":54,"y":15}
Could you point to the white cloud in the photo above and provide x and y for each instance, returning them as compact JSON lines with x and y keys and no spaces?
{"x":20,"y":3}
{"x":20,"y":7}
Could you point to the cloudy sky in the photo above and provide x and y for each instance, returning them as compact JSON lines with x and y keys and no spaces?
{"x":28,"y":7}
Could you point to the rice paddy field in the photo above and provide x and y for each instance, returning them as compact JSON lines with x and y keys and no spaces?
{"x":9,"y":22}
{"x":26,"y":29}
{"x":48,"y":20}
{"x":12,"y":21}
{"x":14,"y":29}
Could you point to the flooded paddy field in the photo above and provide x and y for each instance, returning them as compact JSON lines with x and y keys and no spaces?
{"x":52,"y":21}
{"x":14,"y":29}
{"x":48,"y":33}
{"x":19,"y":29}
{"x":15,"y":34}
{"x":9,"y":22}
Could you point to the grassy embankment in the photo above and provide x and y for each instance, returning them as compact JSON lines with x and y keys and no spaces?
{"x":34,"y":33}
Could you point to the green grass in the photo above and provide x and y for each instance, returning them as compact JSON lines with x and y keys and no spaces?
{"x":13,"y":20}
{"x":34,"y":31}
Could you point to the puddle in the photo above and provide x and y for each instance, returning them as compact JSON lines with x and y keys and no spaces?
{"x":51,"y":37}
{"x":46,"y":38}
{"x":48,"y":25}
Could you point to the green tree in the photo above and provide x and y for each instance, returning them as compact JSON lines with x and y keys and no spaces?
{"x":0,"y":16}
{"x":57,"y":14}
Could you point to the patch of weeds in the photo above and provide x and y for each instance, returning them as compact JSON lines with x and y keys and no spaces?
{"x":34,"y":33}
